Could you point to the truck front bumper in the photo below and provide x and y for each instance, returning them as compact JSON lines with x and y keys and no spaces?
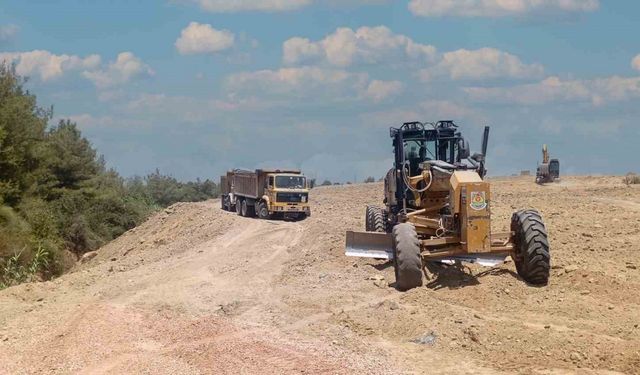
{"x":290,"y":208}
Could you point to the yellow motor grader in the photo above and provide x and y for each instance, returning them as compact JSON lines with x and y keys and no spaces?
{"x":438,"y":209}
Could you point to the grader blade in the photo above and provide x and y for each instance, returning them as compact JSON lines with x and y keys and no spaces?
{"x":369,"y":245}
{"x":485,"y":260}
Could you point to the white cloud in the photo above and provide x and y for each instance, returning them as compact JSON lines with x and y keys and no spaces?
{"x":227,"y":6}
{"x":428,"y":110}
{"x":448,"y":110}
{"x":323,"y":84}
{"x":87,"y":121}
{"x":299,"y":50}
{"x":498,"y":8}
{"x":635,"y":63}
{"x":202,"y":38}
{"x":230,"y":6}
{"x":368,"y":45}
{"x":554,"y":90}
{"x":378,"y":91}
{"x":47,"y":65}
{"x":295,"y":80}
{"x":189,"y":109}
{"x":484,"y":63}
{"x":8,"y":31}
{"x":126,"y":67}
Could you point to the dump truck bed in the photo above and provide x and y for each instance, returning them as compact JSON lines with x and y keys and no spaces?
{"x":250,"y":184}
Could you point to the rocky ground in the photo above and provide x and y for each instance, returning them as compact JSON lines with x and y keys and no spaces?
{"x":200,"y":290}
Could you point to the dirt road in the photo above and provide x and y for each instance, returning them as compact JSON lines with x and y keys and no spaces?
{"x":198,"y":290}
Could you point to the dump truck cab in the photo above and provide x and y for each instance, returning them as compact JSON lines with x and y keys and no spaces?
{"x":286,"y":193}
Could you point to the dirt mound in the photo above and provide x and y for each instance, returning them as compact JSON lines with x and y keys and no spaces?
{"x":199,"y":290}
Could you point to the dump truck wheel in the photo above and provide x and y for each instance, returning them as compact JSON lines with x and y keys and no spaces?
{"x":407,"y":259}
{"x":239,"y":203}
{"x":226,"y":203}
{"x":532,"y":257}
{"x":247,"y":210}
{"x":263,"y":211}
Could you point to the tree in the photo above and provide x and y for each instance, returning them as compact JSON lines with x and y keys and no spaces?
{"x":369,"y":179}
{"x":326,"y":183}
{"x":22,"y":129}
{"x":69,"y":160}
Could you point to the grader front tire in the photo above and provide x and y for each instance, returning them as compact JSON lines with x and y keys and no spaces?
{"x":407,"y":259}
{"x":532,"y":256}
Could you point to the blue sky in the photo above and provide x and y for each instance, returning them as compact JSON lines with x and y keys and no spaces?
{"x":195,"y":87}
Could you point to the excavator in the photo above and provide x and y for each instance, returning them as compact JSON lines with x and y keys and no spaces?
{"x":437,"y":208}
{"x":549,"y":170}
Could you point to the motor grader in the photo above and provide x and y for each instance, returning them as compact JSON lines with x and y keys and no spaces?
{"x":438,"y":209}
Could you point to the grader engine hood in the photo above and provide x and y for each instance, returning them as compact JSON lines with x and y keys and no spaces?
{"x":470,"y":201}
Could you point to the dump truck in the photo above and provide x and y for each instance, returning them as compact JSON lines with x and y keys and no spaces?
{"x":266,"y":193}
{"x":438,"y":210}
{"x":549,"y":169}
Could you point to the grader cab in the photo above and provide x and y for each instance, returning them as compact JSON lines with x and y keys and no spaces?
{"x":438,"y":209}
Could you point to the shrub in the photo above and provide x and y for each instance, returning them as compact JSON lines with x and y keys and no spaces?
{"x":631,"y":179}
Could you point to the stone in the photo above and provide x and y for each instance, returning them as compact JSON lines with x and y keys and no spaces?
{"x":426,"y":339}
{"x":88,"y":256}
{"x":570,"y":268}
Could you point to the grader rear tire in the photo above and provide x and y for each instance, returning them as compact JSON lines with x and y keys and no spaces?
{"x":375,"y":220}
{"x":367,"y":219}
{"x":407,"y":261}
{"x":532,"y":256}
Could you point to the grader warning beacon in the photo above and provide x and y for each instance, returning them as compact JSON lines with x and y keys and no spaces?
{"x":438,"y":209}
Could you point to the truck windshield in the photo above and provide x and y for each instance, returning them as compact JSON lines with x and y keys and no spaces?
{"x":290,"y":182}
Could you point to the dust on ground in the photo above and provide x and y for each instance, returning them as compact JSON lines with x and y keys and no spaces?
{"x":199,"y":290}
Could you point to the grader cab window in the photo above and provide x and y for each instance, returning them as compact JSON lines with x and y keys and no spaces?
{"x":417,"y":151}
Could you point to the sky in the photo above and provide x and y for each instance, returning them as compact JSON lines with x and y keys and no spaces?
{"x":196,"y":87}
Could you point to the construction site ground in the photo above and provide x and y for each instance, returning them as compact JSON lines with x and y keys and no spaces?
{"x":196,"y":290}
